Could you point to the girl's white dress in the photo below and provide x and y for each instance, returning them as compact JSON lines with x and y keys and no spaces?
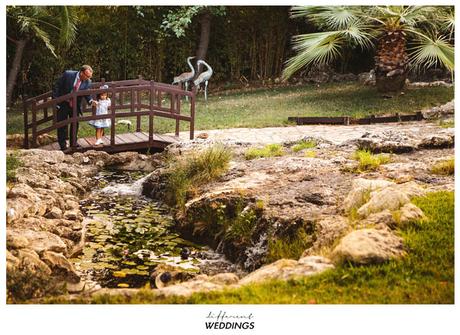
{"x":101,"y":109}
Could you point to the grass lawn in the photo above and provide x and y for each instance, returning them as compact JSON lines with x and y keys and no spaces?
{"x":271,"y":107}
{"x":424,"y":276}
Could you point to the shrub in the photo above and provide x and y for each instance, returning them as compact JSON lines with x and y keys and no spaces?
{"x":23,"y":284}
{"x":194,"y":170}
{"x":303,"y":144}
{"x":446,"y":167}
{"x":367,"y":161}
{"x":270,"y":150}
{"x":12,"y":163}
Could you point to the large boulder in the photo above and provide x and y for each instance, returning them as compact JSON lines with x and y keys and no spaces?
{"x":388,"y":198}
{"x":60,"y":266}
{"x":201,"y":283}
{"x":360,"y":189}
{"x":30,"y":260}
{"x":410,"y":213}
{"x":41,"y":241}
{"x":327,"y":230}
{"x":285,"y":269}
{"x":368,"y":246}
{"x":388,"y":141}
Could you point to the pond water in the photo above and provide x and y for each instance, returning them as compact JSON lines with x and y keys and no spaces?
{"x":128,"y":235}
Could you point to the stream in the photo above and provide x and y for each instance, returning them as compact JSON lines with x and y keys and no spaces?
{"x":127,"y":236}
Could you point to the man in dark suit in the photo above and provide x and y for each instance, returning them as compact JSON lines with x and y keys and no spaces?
{"x":68,"y":82}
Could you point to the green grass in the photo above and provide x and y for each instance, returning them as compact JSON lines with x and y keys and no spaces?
{"x":367,"y":161}
{"x":12,"y":163}
{"x":424,"y":276}
{"x":447,"y":124}
{"x":303,"y":145}
{"x":446,"y":167}
{"x":270,"y":150}
{"x":288,"y":247}
{"x":271,"y":107}
{"x":310,"y":154}
{"x":195,"y":169}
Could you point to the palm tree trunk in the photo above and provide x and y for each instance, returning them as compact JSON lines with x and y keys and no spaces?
{"x":391,"y":62}
{"x":14,"y":70}
{"x":204,"y":39}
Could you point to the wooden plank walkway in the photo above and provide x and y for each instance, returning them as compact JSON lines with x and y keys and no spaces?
{"x":123,"y":142}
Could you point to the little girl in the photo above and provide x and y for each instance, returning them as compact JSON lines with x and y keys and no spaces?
{"x":103,"y":104}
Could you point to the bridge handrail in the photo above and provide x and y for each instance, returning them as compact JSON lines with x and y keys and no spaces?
{"x":135,"y":87}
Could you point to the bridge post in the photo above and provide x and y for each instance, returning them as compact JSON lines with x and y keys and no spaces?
{"x":152,"y":95}
{"x":73,"y":128}
{"x":26,"y":121}
{"x":112,"y":117}
{"x":192,"y":116}
{"x":34,"y":123}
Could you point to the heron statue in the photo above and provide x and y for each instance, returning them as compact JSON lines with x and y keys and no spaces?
{"x":186,"y":76}
{"x":203,"y":77}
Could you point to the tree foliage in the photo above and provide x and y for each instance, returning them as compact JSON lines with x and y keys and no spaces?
{"x":429,"y":29}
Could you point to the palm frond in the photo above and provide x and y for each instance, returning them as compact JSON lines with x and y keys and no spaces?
{"x":319,"y":48}
{"x":68,"y":28}
{"x":330,"y":18}
{"x":431,"y":52}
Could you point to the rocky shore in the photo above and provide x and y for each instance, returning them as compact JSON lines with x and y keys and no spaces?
{"x":318,"y":202}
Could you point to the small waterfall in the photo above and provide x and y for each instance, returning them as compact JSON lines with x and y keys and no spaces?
{"x":134,"y":189}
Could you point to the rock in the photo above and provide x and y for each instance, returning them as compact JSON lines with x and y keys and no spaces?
{"x":43,"y":241}
{"x":411,"y":189}
{"x":388,"y":198}
{"x":380,"y":220}
{"x":201,"y":283}
{"x":368,"y":246}
{"x":73,"y":215}
{"x":387,"y":141}
{"x":224,"y":278}
{"x":327,"y":231}
{"x":285,"y":269}
{"x":409,"y":213}
{"x":15,"y":240}
{"x":439,"y":111}
{"x":54,"y":213}
{"x":11,"y":261}
{"x":367,"y":78}
{"x":71,"y":205}
{"x":60,"y":266}
{"x":18,"y":208}
{"x":360,"y":189}
{"x":31,"y":261}
{"x":439,"y":141}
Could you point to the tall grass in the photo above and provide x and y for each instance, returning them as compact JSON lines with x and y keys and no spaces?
{"x":367,"y":161}
{"x":446,"y":167}
{"x":270,"y":150}
{"x":186,"y":174}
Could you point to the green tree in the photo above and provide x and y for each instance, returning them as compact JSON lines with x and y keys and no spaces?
{"x":403,"y":37}
{"x":49,"y":24}
{"x":179,"y":19}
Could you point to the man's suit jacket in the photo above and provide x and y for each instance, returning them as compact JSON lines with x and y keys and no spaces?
{"x":64,"y":85}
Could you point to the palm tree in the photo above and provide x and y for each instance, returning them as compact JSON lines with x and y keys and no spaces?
{"x":404,"y":38}
{"x":26,"y":23}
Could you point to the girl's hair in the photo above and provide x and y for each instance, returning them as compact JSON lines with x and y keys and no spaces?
{"x":98,"y":96}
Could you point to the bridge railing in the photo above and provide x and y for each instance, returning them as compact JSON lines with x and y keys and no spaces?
{"x":146,"y":99}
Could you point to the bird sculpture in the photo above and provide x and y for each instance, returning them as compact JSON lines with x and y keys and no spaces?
{"x":203,"y":77}
{"x":186,"y":76}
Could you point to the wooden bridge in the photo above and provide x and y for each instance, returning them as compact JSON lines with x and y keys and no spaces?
{"x":130,"y":99}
